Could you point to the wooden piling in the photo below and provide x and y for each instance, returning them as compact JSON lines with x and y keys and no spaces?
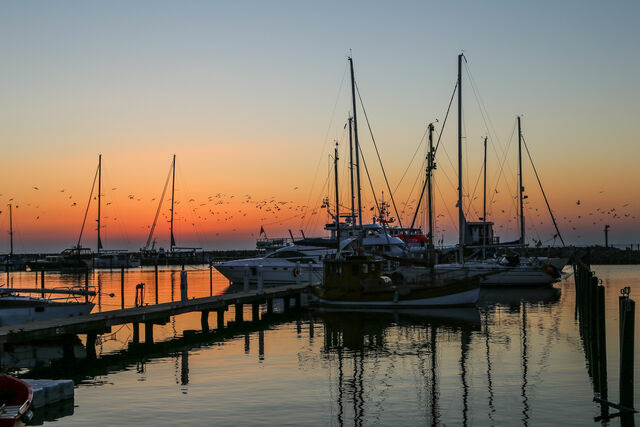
{"x":122,"y":287}
{"x":269,"y":305}
{"x":41,"y":282}
{"x":210,"y":278}
{"x":220,"y":318}
{"x":287,"y":303}
{"x":298,"y":299}
{"x":204,"y":321}
{"x":86,"y":284}
{"x":91,"y":345}
{"x":627,"y":308}
{"x":136,"y":332}
{"x":255,"y":311}
{"x":239,"y":314}
{"x":148,"y":333}
{"x":156,"y":279}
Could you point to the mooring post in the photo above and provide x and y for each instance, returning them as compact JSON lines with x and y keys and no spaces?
{"x":602,"y":353}
{"x":210,"y":278}
{"x":627,"y":308}
{"x":136,"y":332}
{"x":269,"y":305}
{"x":311,"y":330}
{"x":260,"y":281}
{"x":156,"y":279}
{"x":297,"y":272}
{"x":183,"y":286}
{"x":122,"y":287}
{"x":245,"y":287}
{"x":148,"y":333}
{"x":261,"y":344}
{"x":298,"y":299}
{"x":204,"y":321}
{"x":86,"y":285}
{"x":91,"y":345}
{"x":239,"y":314}
{"x":255,"y":311}
{"x":41,"y":281}
{"x":310,"y":273}
{"x":220,"y":318}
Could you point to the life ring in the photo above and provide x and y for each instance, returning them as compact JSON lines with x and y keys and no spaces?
{"x":296,"y":272}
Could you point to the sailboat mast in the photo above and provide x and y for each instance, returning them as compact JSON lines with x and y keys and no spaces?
{"x":357,"y":146}
{"x":430,"y":168}
{"x":10,"y":230}
{"x":99,"y":244}
{"x":335,"y":168}
{"x":353,"y":195}
{"x":520,"y":188}
{"x":461,"y":225}
{"x":173,"y":182}
{"x":484,"y":203}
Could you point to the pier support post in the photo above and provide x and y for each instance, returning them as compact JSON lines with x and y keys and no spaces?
{"x":148,"y":333}
{"x":136,"y":332}
{"x":298,"y":299}
{"x":204,"y":321}
{"x":287,"y":303}
{"x":122,"y":287}
{"x":183,"y":286}
{"x":210,"y":278}
{"x":239,"y":314}
{"x":269,"y":305}
{"x":255,"y":311}
{"x":156,"y":279}
{"x":627,"y":308}
{"x":220,"y":318}
{"x":261,"y":344}
{"x":310,"y":273}
{"x":260,"y":282}
{"x":86,"y":285}
{"x":297,"y":273}
{"x":245,"y":287}
{"x":91,"y":345}
{"x":41,"y":282}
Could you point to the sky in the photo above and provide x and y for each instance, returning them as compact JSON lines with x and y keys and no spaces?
{"x":251,"y":97}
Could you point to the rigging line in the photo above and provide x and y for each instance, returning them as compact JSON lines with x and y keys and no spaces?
{"x":155,"y":219}
{"x":471,"y":197}
{"x":455,"y":87}
{"x":504,"y":159}
{"x":543,"y":193}
{"x":375,"y":199}
{"x":393,"y":201}
{"x":412,"y":158}
{"x":455,"y":225}
{"x":335,"y":105}
{"x":95,"y":177}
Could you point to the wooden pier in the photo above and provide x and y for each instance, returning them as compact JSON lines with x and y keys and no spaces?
{"x":98,"y":323}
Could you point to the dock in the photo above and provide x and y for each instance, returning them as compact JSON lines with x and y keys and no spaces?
{"x":99,"y":323}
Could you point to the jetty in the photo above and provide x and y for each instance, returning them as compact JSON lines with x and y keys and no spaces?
{"x":95,"y":324}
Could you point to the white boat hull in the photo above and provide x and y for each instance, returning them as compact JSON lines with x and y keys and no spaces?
{"x":465,"y":298}
{"x":16,"y":315}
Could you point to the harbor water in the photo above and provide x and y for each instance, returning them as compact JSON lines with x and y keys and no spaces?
{"x":518,"y":358}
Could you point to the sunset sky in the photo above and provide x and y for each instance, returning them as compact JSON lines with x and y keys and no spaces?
{"x":251,"y":96}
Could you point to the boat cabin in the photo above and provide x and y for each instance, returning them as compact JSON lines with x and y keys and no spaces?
{"x":476,"y":232}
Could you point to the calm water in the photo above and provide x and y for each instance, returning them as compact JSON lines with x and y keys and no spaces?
{"x":517,"y":359}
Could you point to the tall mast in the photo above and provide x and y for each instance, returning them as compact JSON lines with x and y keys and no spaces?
{"x":484,"y":203}
{"x":430,"y":167}
{"x":521,"y":188}
{"x":353,"y":195}
{"x":335,"y":168}
{"x":10,"y":231}
{"x":173,"y":182}
{"x":461,"y":225}
{"x":357,"y":146}
{"x":99,"y":195}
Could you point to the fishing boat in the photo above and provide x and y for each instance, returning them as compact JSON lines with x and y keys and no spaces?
{"x":358,"y":282}
{"x":15,"y":400}
{"x":16,"y":308}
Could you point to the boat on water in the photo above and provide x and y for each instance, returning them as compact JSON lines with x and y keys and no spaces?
{"x":291,"y":264}
{"x":358,"y":282}
{"x":16,"y":397}
{"x":115,"y":259}
{"x":16,"y":308}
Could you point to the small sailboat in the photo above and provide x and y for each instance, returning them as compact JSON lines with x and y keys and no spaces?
{"x":15,"y":400}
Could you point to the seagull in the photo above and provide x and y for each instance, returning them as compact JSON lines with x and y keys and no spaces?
{"x":578,"y":202}
{"x":35,"y":188}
